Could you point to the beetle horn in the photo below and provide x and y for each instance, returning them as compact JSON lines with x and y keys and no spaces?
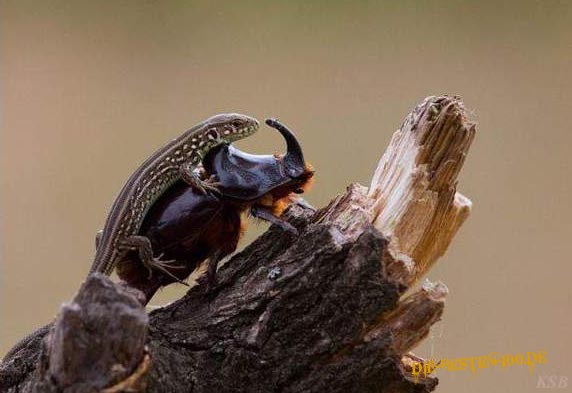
{"x":294,"y":159}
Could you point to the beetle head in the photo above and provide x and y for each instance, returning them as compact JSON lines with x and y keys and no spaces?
{"x":247,"y":177}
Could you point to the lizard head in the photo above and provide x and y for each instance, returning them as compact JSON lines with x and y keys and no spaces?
{"x":230,"y":127}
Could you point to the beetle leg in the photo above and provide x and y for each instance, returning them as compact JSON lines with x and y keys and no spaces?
{"x":212,"y":265}
{"x":266,"y":215}
{"x":304,"y":203}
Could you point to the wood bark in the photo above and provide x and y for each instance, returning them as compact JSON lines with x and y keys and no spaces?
{"x":322,"y":311}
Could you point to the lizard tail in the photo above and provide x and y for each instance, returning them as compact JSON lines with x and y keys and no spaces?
{"x":37,"y":337}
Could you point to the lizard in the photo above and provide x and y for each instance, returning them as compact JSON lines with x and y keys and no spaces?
{"x":176,"y":160}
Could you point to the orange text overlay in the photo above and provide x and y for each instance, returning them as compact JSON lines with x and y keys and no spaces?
{"x":476,"y":363}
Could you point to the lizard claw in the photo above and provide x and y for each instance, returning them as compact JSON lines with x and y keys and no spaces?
{"x":164,"y":266}
{"x":209,"y":188}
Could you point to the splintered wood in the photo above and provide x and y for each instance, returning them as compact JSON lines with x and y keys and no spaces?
{"x":414,"y":203}
{"x":413,"y":190}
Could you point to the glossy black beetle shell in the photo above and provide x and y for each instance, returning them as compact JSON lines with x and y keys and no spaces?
{"x":244,"y":176}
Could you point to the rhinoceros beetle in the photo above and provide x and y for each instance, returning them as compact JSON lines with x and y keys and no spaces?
{"x":189,"y":227}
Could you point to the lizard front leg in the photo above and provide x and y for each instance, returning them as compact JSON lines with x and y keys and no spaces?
{"x":192,"y":179}
{"x":142,"y":245}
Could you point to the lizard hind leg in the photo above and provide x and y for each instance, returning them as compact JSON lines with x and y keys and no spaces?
{"x":143,"y":247}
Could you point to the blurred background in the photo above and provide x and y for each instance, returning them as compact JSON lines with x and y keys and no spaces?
{"x":89,"y":89}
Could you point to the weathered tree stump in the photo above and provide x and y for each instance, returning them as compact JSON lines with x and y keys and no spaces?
{"x":322,"y":311}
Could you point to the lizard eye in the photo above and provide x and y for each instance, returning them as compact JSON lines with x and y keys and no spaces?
{"x":236,"y":123}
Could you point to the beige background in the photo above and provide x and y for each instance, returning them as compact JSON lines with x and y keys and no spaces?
{"x":90,"y":88}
